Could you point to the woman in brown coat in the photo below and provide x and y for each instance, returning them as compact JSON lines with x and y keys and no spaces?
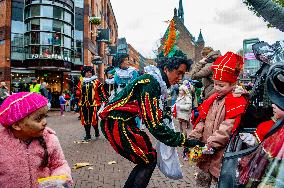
{"x":202,"y":70}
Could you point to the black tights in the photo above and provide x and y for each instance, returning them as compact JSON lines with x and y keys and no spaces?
{"x":88,"y":131}
{"x":140,"y":176}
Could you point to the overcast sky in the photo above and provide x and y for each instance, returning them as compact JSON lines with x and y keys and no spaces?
{"x":224,"y":23}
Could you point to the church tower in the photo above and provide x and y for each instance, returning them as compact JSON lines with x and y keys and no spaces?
{"x":185,"y":41}
{"x":199,"y":46}
{"x":180,"y":11}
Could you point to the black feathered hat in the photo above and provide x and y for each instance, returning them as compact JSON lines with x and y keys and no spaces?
{"x":173,"y":62}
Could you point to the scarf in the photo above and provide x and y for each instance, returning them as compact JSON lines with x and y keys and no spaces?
{"x":234,"y":106}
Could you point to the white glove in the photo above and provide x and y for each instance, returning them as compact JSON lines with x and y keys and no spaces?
{"x":248,"y":138}
{"x":101,"y":109}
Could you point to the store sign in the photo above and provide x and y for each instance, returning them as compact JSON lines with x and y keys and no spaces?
{"x":112,"y":50}
{"x":97,"y":60}
{"x":250,"y":56}
{"x":51,"y":56}
{"x":103,"y":35}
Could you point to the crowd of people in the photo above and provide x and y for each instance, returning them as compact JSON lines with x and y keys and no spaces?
{"x":213,"y":110}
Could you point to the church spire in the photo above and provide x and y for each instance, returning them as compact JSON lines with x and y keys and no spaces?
{"x":180,"y":11}
{"x":200,"y":38}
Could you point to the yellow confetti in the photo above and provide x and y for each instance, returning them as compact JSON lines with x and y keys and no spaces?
{"x":80,"y":165}
{"x":111,"y":162}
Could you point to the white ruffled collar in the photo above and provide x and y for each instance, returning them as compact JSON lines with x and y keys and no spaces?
{"x":86,"y":80}
{"x":125,"y":73}
{"x":109,"y":81}
{"x":156,"y":73}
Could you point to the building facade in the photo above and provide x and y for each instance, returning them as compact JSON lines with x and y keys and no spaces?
{"x":52,"y":39}
{"x":186,"y":41}
{"x":135,"y":58}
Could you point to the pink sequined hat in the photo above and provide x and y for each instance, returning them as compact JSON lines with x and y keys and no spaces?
{"x":19,"y":105}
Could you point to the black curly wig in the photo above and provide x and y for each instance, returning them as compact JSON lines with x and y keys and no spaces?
{"x":86,"y":69}
{"x":173,"y":62}
{"x":109,"y":69}
{"x":118,"y":59}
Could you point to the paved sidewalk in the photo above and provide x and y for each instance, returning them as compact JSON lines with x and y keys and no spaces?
{"x":99,"y":152}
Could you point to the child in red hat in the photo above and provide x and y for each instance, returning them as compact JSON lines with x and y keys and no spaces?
{"x":219,"y":116}
{"x":28,"y":149}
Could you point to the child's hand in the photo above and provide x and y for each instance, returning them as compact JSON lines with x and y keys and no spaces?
{"x":208,"y":151}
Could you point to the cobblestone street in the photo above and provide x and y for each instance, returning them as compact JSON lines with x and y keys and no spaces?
{"x":99,"y":153}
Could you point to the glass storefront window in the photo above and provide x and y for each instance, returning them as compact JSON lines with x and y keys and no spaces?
{"x":67,"y":17}
{"x":28,"y":26}
{"x":57,"y":12}
{"x":67,"y":29}
{"x":46,"y":25}
{"x":35,"y":38}
{"x":35,"y":1}
{"x":47,"y":11}
{"x":32,"y":1}
{"x":35,"y":24}
{"x":17,"y":27}
{"x":45,"y":38}
{"x":67,"y":42}
{"x":17,"y":39}
{"x":78,"y":35}
{"x":27,"y":12}
{"x":46,"y":51}
{"x":57,"y":26}
{"x":56,"y":39}
{"x":57,"y":50}
{"x":35,"y":10}
{"x":26,"y":39}
{"x":79,"y":3}
{"x":34,"y":50}
{"x":46,"y":1}
{"x":67,"y":54}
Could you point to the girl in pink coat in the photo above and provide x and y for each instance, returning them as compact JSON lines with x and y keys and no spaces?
{"x":28,"y":149}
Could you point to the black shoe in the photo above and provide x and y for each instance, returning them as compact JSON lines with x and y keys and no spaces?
{"x":97,"y":135}
{"x":87,"y":139}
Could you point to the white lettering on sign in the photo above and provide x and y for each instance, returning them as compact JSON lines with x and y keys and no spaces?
{"x":51,"y":56}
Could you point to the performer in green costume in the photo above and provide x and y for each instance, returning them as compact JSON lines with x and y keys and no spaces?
{"x":144,"y":97}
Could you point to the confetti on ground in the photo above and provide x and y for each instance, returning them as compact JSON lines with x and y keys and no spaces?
{"x":111,"y":162}
{"x":80,"y":142}
{"x":80,"y":165}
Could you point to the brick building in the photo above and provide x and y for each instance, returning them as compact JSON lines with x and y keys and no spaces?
{"x":99,"y":39}
{"x":135,"y":58}
{"x":52,"y":40}
{"x":186,"y":41}
{"x":5,"y":42}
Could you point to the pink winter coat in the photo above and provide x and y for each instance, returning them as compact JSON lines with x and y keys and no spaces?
{"x":20,"y":163}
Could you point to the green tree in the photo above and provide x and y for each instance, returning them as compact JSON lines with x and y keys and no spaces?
{"x":272,"y":11}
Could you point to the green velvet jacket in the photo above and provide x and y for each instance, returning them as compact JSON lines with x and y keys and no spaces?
{"x":142,"y":97}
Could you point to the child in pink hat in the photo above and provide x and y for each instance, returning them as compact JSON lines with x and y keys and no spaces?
{"x":28,"y":149}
